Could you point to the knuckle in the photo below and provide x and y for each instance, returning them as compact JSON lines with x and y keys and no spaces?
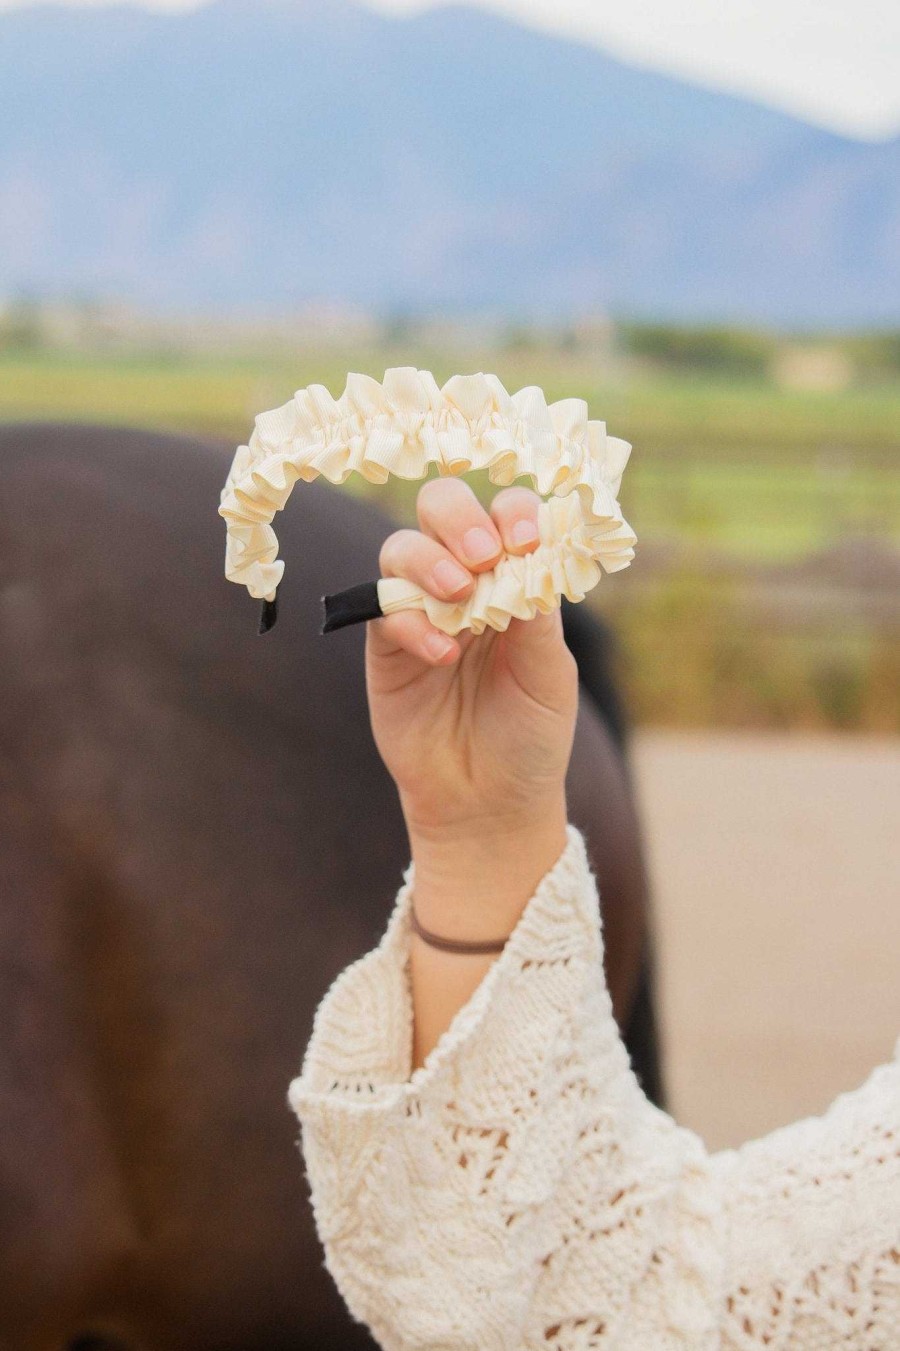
{"x":397,"y":628}
{"x":515,"y":511}
{"x":397,"y":550}
{"x":516,"y":497}
{"x":437,"y":494}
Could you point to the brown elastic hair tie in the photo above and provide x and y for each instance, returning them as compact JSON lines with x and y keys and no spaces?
{"x":454,"y":944}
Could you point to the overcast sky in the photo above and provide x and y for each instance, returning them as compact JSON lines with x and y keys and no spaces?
{"x":836,"y":62}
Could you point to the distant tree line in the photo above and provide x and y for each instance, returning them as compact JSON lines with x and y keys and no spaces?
{"x":715,"y":348}
{"x":753,"y":353}
{"x":28,"y":323}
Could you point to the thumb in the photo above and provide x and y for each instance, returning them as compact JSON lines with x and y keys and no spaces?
{"x":540,"y":659}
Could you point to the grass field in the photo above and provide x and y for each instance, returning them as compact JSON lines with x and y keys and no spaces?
{"x":757,"y":471}
{"x":730,"y":474}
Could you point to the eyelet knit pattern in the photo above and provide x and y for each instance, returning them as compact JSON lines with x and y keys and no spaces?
{"x":518,"y":1192}
{"x":406,"y":425}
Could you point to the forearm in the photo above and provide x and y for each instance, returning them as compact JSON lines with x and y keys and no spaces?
{"x":472,"y":886}
{"x":521,"y":1192}
{"x":507,"y":1195}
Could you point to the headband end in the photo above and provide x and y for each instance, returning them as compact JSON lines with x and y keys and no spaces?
{"x":353,"y":606}
{"x":268,"y":614}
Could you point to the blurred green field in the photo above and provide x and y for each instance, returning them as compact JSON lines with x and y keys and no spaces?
{"x":727,"y":477}
{"x":760,"y":472}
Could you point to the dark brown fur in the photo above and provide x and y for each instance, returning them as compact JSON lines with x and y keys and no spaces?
{"x":196,"y":835}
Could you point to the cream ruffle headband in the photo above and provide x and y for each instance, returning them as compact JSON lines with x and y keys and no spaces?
{"x":403,"y":427}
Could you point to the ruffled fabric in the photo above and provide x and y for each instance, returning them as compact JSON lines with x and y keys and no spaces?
{"x":406,"y":425}
{"x":565,"y":563}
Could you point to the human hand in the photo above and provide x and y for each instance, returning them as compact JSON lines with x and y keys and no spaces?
{"x":476,"y":731}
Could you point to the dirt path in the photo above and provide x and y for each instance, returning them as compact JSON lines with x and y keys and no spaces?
{"x":776,"y":865}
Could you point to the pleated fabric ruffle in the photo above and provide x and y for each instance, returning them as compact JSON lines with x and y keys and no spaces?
{"x":565,"y":563}
{"x":406,"y":424}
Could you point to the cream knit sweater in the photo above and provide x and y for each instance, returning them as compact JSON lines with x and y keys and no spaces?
{"x":519,"y":1192}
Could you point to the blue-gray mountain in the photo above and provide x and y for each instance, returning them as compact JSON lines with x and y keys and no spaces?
{"x":263,"y":152}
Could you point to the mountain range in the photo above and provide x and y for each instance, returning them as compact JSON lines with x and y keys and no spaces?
{"x":258,"y":154}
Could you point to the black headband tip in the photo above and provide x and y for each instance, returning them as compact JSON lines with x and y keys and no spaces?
{"x":268,"y":615}
{"x":356,"y":604}
{"x":353,"y":606}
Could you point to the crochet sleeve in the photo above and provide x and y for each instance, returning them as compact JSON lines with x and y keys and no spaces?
{"x":518,"y":1192}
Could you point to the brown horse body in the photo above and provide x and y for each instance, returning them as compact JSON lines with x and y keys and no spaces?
{"x":196,"y":835}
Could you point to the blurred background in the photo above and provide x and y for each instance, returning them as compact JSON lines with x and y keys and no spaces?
{"x":687,"y":214}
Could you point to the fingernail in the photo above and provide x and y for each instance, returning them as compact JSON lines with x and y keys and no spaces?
{"x":479,"y":544}
{"x":450,"y":577}
{"x":437,"y":644}
{"x":524,"y":532}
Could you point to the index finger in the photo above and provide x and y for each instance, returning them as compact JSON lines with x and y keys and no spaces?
{"x":449,"y":511}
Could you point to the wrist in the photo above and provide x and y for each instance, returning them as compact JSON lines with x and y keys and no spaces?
{"x":473,"y":879}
